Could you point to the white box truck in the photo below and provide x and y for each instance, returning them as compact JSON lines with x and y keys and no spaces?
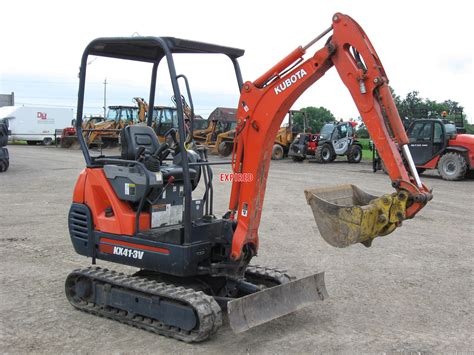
{"x":36,"y":124}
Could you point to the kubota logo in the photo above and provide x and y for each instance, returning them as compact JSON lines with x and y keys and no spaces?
{"x":289,"y":81}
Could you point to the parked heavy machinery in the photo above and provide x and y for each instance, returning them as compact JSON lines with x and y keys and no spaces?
{"x":303,"y":146}
{"x":199,"y":123}
{"x":138,"y":209}
{"x":225,"y":141}
{"x":142,"y":110}
{"x":105,"y":131}
{"x":337,"y":138}
{"x":286,"y":135}
{"x":164,"y":118}
{"x":101,"y":131}
{"x":200,"y":136}
{"x":221,"y":120}
{"x":283,"y":139}
{"x":68,"y":137}
{"x":4,"y":157}
{"x":437,"y":144}
{"x":68,"y":134}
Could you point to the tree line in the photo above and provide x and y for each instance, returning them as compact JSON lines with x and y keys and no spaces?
{"x":412,"y":106}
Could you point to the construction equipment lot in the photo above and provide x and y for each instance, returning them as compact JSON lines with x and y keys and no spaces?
{"x":412,"y":291}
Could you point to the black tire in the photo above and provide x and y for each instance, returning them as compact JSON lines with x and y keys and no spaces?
{"x":324,"y":154}
{"x":298,"y":159}
{"x":354,"y":155}
{"x":47,"y":141}
{"x":4,"y":163}
{"x":452,"y":166}
{"x":277,"y":152}
{"x":224,"y":149}
{"x":31,"y":142}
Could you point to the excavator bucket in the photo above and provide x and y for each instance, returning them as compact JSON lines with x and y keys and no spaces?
{"x":347,"y":215}
{"x":271,"y":303}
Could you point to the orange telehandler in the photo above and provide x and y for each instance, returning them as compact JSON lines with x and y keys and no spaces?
{"x":138,"y":209}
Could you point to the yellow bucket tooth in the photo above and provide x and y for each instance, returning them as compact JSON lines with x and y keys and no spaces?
{"x":347,"y":215}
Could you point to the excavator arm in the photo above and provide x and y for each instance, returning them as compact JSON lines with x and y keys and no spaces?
{"x":262,"y":107}
{"x":142,"y":108}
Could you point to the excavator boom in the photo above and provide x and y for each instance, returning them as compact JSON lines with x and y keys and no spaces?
{"x":347,"y":217}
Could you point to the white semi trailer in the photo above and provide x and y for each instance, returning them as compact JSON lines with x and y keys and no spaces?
{"x":36,"y":124}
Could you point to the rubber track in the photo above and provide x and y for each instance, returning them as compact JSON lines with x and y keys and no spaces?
{"x":206,"y":308}
{"x":268,"y":273}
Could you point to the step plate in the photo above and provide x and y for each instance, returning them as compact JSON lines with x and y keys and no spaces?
{"x":261,"y":307}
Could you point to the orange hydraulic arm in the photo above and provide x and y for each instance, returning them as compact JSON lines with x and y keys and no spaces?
{"x":264,"y":103}
{"x":142,"y":108}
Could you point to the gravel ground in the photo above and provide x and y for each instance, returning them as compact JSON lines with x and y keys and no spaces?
{"x":410,"y":292}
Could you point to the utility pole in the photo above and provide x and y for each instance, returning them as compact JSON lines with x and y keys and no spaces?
{"x":105,"y":97}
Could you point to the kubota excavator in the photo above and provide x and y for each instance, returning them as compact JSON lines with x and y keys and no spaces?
{"x":138,"y":209}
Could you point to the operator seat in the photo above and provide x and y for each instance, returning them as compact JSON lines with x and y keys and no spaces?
{"x":135,"y":137}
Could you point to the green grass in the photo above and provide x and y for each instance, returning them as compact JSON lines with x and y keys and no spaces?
{"x":366,"y":152}
{"x":366,"y":155}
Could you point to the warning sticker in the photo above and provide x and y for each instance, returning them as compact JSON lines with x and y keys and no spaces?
{"x":245,"y":209}
{"x":160,"y":215}
{"x":176,"y":214}
{"x":130,"y":189}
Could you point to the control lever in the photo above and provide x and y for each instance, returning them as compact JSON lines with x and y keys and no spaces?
{"x":153,"y":162}
{"x":163,"y":189}
{"x":160,"y":151}
{"x":172,"y":132}
{"x":139,"y":153}
{"x":165,"y":154}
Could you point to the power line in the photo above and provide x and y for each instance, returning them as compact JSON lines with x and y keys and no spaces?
{"x":46,"y":82}
{"x":124,"y":83}
{"x":51,"y":105}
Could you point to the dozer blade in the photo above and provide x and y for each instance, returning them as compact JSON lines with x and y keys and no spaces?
{"x":347,"y":215}
{"x":263,"y":306}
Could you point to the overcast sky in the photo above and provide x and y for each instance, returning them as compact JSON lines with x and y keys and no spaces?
{"x":424,"y":46}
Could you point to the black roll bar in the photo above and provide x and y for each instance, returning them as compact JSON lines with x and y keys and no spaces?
{"x":152,"y":50}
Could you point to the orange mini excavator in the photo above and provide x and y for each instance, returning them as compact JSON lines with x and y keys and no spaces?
{"x":138,"y":208}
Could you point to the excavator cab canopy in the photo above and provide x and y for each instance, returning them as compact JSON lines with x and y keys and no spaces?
{"x":149,"y":49}
{"x":152,"y":50}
